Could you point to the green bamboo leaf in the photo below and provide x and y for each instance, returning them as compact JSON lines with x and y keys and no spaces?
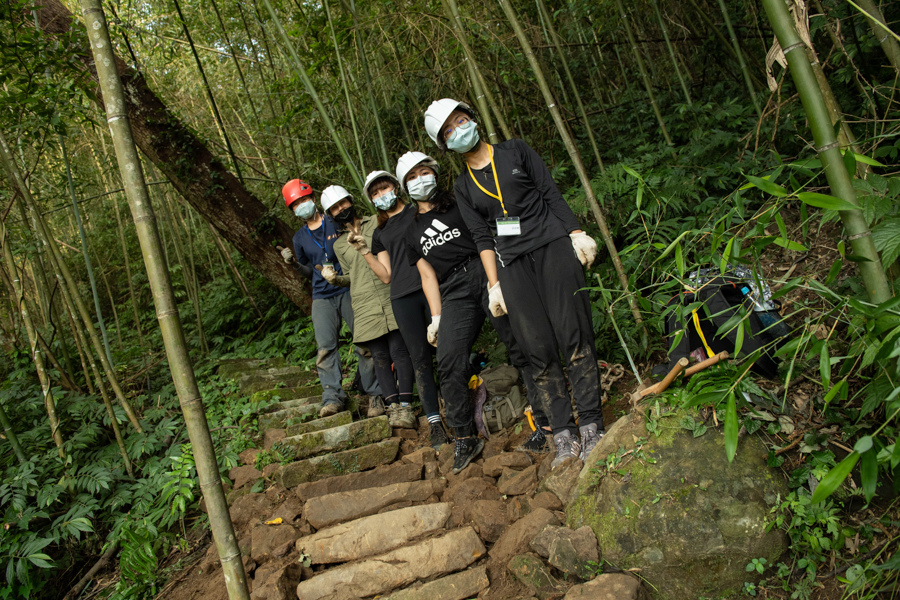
{"x":632,"y":172}
{"x":726,"y":256}
{"x":825,"y":201}
{"x":672,"y":246}
{"x":834,"y":478}
{"x":868,"y":472}
{"x":782,"y":229}
{"x":866,"y":160}
{"x":834,"y":271}
{"x":786,"y":243}
{"x":739,"y":339}
{"x":767,"y":186}
{"x":731,"y":428}
{"x":863,"y":444}
{"x":895,"y":457}
{"x":679,"y":260}
{"x":834,"y":391}
{"x":825,"y":365}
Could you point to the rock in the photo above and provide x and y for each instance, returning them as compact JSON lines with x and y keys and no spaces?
{"x":342,"y":418}
{"x":338,"y":463}
{"x":495,"y":465}
{"x":572,"y":552}
{"x":232,"y":368}
{"x":546,"y":463}
{"x":277,"y":585}
{"x":250,"y":508}
{"x":342,"y":437}
{"x":281,"y":417}
{"x":609,"y":586}
{"x":290,"y":377}
{"x":248,"y":456}
{"x":473,"y":470}
{"x":516,"y":483}
{"x":689,"y":519}
{"x":518,"y":536}
{"x":344,"y":506}
{"x":270,"y":470}
{"x":288,"y":511}
{"x":373,"y":535}
{"x":241,"y":476}
{"x":494,"y":446}
{"x":403,"y":432}
{"x":233,"y":495}
{"x":465,"y":584}
{"x":466,"y":493}
{"x":266,"y":538}
{"x":431,"y":470}
{"x":381,"y":476}
{"x":546,"y":500}
{"x":446,"y":453}
{"x":489,"y":518}
{"x":518,"y":507}
{"x":421,"y":456}
{"x":561,"y":480}
{"x":270,"y":436}
{"x":283,"y":399}
{"x":430,"y":558}
{"x":533,"y":573}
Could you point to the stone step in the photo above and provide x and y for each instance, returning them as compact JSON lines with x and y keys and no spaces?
{"x":372,"y":535}
{"x":259,"y":381}
{"x":338,"y":463}
{"x":465,"y":584}
{"x":378,"y":477}
{"x":346,"y":506}
{"x":290,"y":403}
{"x":448,"y":553}
{"x":342,"y":418}
{"x":232,"y":368}
{"x":337,"y":439}
{"x":281,"y":418}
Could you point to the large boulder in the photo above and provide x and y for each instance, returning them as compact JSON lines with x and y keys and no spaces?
{"x":674,"y":506}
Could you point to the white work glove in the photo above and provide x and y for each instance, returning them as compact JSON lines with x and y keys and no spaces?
{"x":433,"y":330}
{"x":329,"y":274}
{"x":495,"y":300}
{"x":287,"y":255}
{"x":585,"y":248}
{"x":355,"y":238}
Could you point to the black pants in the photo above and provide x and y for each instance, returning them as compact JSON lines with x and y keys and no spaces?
{"x":387,"y":350}
{"x":550,"y":313}
{"x":413,"y":317}
{"x":464,"y":305}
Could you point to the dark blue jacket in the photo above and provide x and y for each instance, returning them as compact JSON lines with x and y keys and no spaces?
{"x":316,"y":247}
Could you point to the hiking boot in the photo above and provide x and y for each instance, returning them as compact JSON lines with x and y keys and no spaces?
{"x":376,"y":406}
{"x":566,"y":447}
{"x":466,"y":449}
{"x":438,"y":436}
{"x":536,"y":442}
{"x":401,"y":416}
{"x":332,"y":408}
{"x":589,"y":438}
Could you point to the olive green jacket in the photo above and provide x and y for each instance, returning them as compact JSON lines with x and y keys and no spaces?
{"x":371,"y":299}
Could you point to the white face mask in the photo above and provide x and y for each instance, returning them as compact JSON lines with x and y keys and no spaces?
{"x":385,"y":201}
{"x":422,"y":188}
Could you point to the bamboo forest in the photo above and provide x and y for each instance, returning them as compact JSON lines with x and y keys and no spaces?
{"x":171,"y":428}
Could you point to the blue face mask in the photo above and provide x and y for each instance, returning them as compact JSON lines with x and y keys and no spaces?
{"x":385,"y":201}
{"x":305,"y":210}
{"x":463,"y":137}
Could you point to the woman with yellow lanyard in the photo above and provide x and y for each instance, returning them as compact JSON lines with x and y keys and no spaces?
{"x":532,"y":248}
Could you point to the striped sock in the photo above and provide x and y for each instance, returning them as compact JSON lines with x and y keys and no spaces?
{"x":434,"y":418}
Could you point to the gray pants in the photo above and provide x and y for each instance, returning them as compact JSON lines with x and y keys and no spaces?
{"x":326,"y":317}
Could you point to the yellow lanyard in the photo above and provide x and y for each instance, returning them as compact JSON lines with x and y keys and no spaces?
{"x":499,"y":194}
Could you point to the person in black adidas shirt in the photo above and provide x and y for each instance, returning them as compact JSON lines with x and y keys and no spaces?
{"x":442,"y":249}
{"x":530,"y":244}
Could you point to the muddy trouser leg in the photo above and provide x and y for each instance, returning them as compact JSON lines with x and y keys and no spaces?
{"x":413,"y":317}
{"x":570,"y":313}
{"x":402,"y":364}
{"x":517,"y":358}
{"x":461,"y":319}
{"x":327,"y":326}
{"x":523,"y":293}
{"x":364,"y":365}
{"x":381,"y":357}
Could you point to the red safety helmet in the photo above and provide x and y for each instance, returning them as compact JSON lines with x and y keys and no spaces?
{"x":295,"y":189}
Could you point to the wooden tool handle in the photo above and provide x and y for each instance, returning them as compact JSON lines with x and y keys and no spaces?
{"x":706,"y":363}
{"x":662,"y":385}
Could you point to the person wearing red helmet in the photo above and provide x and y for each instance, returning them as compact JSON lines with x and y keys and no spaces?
{"x":314,"y":245}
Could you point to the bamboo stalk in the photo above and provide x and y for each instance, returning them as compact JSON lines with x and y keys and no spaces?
{"x":881,"y":32}
{"x":167,"y":312}
{"x":234,"y":269}
{"x":665,"y":32}
{"x":11,"y":436}
{"x":575,"y":157}
{"x":740,"y":56}
{"x":828,"y":150}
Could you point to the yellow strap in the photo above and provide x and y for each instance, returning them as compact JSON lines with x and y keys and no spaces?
{"x":499,"y":194}
{"x":709,"y":352}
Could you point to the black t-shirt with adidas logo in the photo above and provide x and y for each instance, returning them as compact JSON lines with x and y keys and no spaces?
{"x":404,"y":279}
{"x":442,"y":239}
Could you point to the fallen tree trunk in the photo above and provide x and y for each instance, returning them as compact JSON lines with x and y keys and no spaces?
{"x":196,"y":173}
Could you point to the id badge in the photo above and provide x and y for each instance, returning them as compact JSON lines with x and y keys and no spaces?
{"x":508,"y":226}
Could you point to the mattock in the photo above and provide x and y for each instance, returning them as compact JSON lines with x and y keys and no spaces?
{"x":660,"y":387}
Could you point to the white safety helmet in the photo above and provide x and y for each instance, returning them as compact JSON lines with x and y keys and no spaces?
{"x":411,"y":159}
{"x":332,"y":195}
{"x":437,"y":114}
{"x":375,"y":176}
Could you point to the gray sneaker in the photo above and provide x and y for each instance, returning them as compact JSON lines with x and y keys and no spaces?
{"x":376,"y":406}
{"x":566,"y":447}
{"x":332,"y":408}
{"x":589,"y":438}
{"x":401,"y":416}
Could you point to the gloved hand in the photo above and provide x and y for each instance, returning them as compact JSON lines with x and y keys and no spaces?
{"x":433,"y":330}
{"x":356,"y":239}
{"x":495,"y":300}
{"x":585,"y":248}
{"x":287,"y":255}
{"x":329,"y":274}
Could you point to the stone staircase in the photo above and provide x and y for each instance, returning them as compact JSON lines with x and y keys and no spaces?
{"x":357,"y":510}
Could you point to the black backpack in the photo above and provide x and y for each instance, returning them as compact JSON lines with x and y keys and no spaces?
{"x":722,"y":297}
